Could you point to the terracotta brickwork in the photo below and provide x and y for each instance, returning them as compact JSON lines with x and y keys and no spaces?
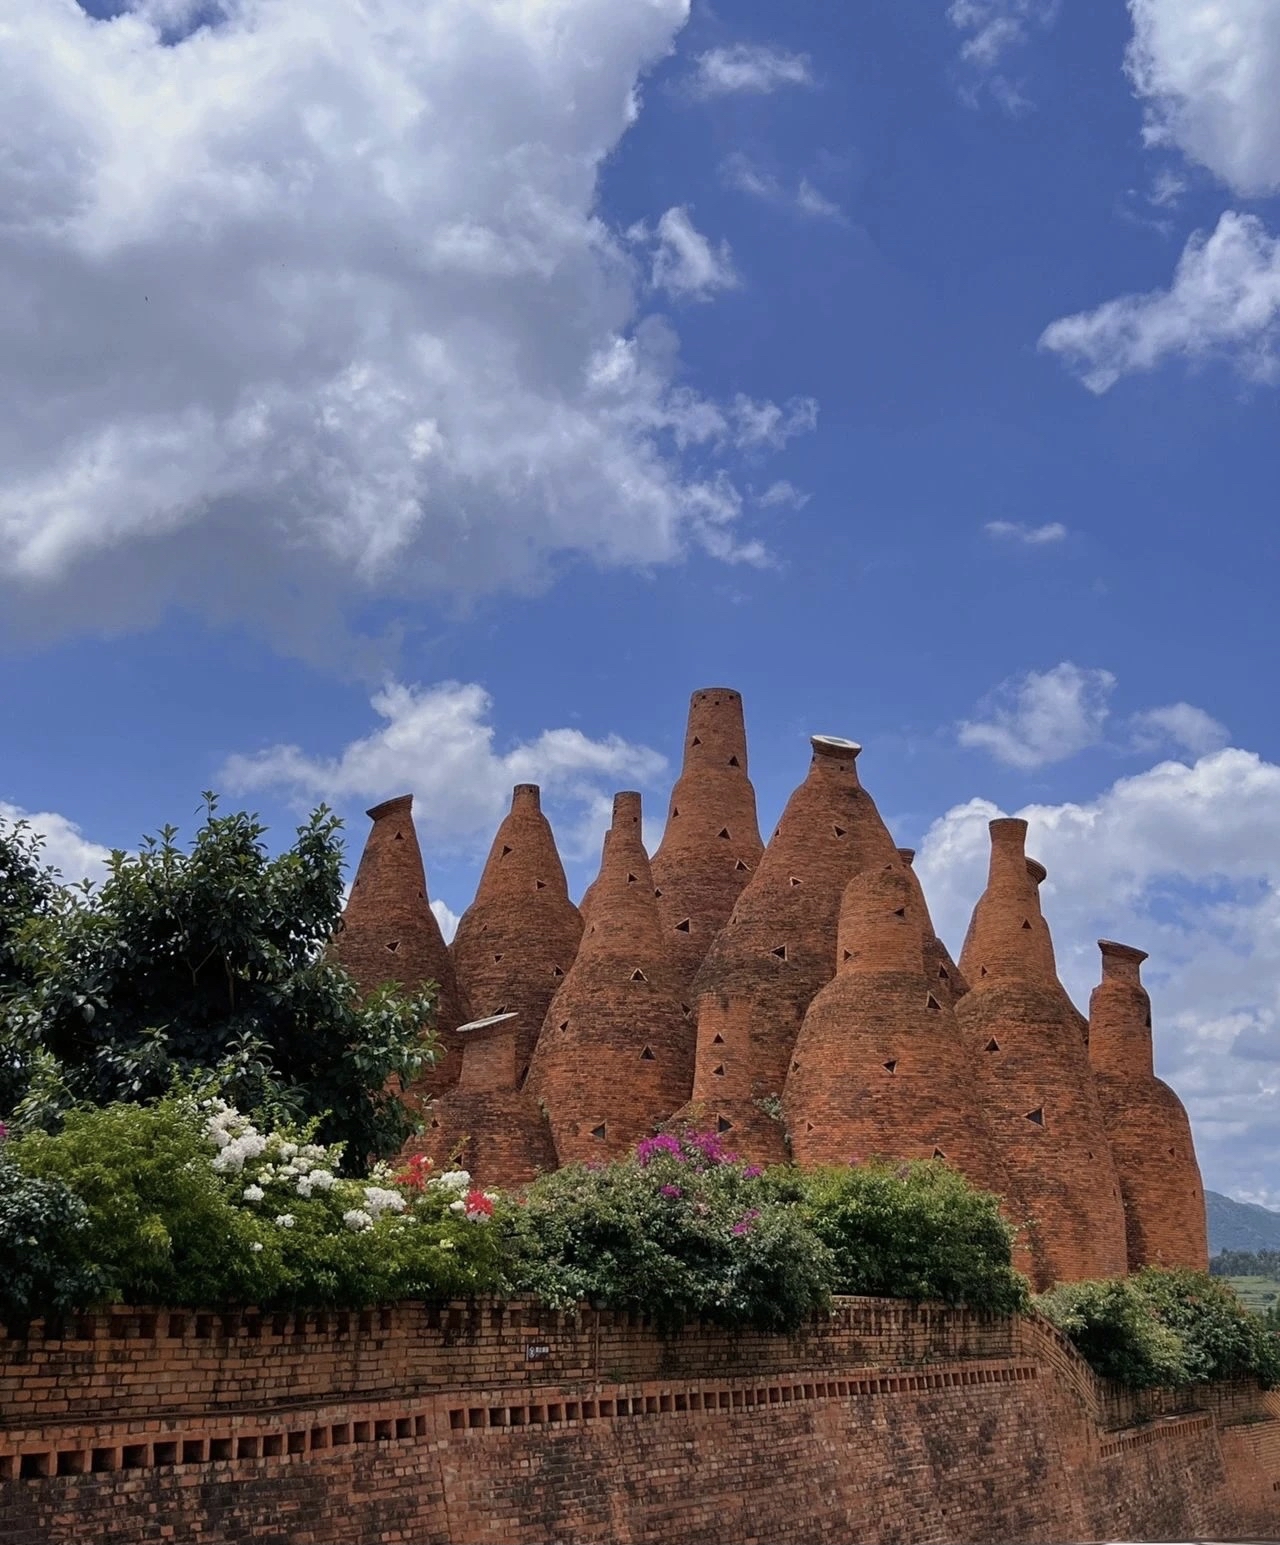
{"x":884,"y":1423}
{"x":723,"y":1080}
{"x":486,"y":1124}
{"x":779,"y":945}
{"x":1034,"y":1077}
{"x":389,"y":932}
{"x":711,"y":846}
{"x":615,"y":1056}
{"x":517,"y":940}
{"x":945,"y":977}
{"x":879,"y":1068}
{"x":1146,"y":1123}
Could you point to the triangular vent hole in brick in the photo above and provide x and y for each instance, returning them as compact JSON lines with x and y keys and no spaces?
{"x":598,"y":1132}
{"x":982,"y":970}
{"x":740,"y":867}
{"x":1026,"y":925}
{"x":647,"y":1055}
{"x":734,"y":762}
{"x":839,"y":830}
{"x":794,"y":881}
{"x":992,"y":1045}
{"x":938,"y":1153}
{"x":932,"y":1003}
{"x":723,"y":1125}
{"x":718,"y":1072}
{"x":505,"y":849}
{"x":394,"y":945}
{"x":638,"y":975}
{"x":539,"y":885}
{"x":658,"y":894}
{"x":696,"y":741}
{"x":780,"y":952}
{"x":900,"y":912}
{"x":496,"y":959}
{"x":723,"y":832}
{"x":891,"y":1066}
{"x":556,"y":971}
{"x":717,"y":1040}
{"x":631,"y":879}
{"x":1036,"y":1115}
{"x":942,"y":974}
{"x":795,"y":1067}
{"x":684,"y":926}
{"x":564,"y":1024}
{"x":808,"y":1126}
{"x":846,"y":955}
{"x":399,"y":836}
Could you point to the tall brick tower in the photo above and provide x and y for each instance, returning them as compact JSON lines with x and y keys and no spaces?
{"x":389,"y":932}
{"x":1146,"y":1123}
{"x":517,"y":940}
{"x":588,"y":895}
{"x":615,"y":1057}
{"x":1034,"y":1076}
{"x":879,"y":1067}
{"x":944,"y":975}
{"x":484,"y":1123}
{"x":779,"y":945}
{"x":711,"y":846}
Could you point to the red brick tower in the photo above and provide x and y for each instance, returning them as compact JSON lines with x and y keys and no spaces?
{"x":484,"y":1123}
{"x":615,"y":1057}
{"x":1148,"y":1127}
{"x":516,"y":941}
{"x":779,"y":946}
{"x":1034,"y":1076}
{"x":711,"y":846}
{"x":879,"y":1067}
{"x":941,"y":970}
{"x":390,"y":934}
{"x":588,"y":895}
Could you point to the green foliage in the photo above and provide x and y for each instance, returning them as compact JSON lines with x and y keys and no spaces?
{"x":1165,"y":1328}
{"x":679,"y":1230}
{"x":1245,"y":1263}
{"x":917,"y":1230}
{"x":42,"y":1270}
{"x":1113,"y":1329}
{"x":210,"y":958}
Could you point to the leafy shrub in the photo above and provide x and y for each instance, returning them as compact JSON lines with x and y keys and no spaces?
{"x":1112,"y":1327}
{"x":41,"y":1269}
{"x":679,"y":1230}
{"x":1165,"y":1327}
{"x":916,"y":1230}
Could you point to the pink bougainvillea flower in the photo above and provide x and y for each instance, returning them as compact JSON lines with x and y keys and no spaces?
{"x":649,"y":1148}
{"x":746,"y":1222}
{"x":752,"y":1172}
{"x":671,"y":1191}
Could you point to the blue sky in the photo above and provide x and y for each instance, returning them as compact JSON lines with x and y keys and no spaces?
{"x":431,"y":395}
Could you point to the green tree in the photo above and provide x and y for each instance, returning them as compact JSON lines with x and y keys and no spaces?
{"x":207,"y":958}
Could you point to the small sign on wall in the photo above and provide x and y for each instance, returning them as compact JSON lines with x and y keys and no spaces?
{"x":536,"y":1351}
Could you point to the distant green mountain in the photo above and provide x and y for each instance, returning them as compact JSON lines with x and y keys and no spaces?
{"x":1240,"y":1225}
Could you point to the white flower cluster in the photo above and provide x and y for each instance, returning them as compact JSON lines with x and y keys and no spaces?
{"x":304,"y":1167}
{"x":377,"y":1201}
{"x":234,"y":1136}
{"x":357,"y":1219}
{"x":452,"y":1180}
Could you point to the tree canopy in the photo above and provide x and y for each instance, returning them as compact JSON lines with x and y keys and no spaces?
{"x":186,"y":961}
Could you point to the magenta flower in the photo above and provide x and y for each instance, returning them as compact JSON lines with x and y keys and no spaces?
{"x":752,"y":1172}
{"x":674,"y":1192}
{"x":649,"y":1148}
{"x":4,"y":1131}
{"x":745,"y":1223}
{"x":710,"y":1146}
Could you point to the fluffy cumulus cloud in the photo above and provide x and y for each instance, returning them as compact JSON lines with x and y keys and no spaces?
{"x":351,"y":325}
{"x":65,"y":846}
{"x":447,"y":918}
{"x":1207,"y":72}
{"x":1042,"y":717}
{"x":440,"y":742}
{"x":1182,"y":860}
{"x":1224,"y":302}
{"x":686,"y":263}
{"x":1181,"y":726}
{"x":1018,"y":532}
{"x":753,"y":68}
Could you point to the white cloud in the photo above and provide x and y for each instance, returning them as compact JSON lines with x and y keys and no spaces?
{"x":1042,"y":717}
{"x":438,"y":743}
{"x":1224,"y":302}
{"x":1183,"y":861}
{"x":739,"y":172}
{"x":686,"y":264}
{"x":1208,"y":71}
{"x":782,"y":495}
{"x":1180,"y":725}
{"x":352,"y":325}
{"x":994,"y":31}
{"x":447,"y":918}
{"x":1027,"y":536}
{"x":65,"y":845}
{"x":749,"y":67}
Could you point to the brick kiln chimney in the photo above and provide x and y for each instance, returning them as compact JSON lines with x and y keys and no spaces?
{"x":711,"y":846}
{"x":588,"y":895}
{"x":615,"y":1055}
{"x":389,"y":932}
{"x":879,"y":1067}
{"x":941,"y":970}
{"x":517,"y":940}
{"x":1024,"y":1037}
{"x":484,"y":1124}
{"x":778,"y":947}
{"x":1146,"y":1123}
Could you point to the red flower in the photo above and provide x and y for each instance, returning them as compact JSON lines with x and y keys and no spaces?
{"x":478,"y":1202}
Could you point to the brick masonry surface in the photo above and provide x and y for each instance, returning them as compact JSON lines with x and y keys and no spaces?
{"x":501,"y":1421}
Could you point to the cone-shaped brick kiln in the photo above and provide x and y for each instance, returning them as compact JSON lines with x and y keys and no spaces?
{"x":1146,"y":1123}
{"x":1034,"y":1076}
{"x":390,"y":934}
{"x":517,"y":940}
{"x":484,"y":1124}
{"x":945,"y":976}
{"x":779,"y":945}
{"x":712,"y":845}
{"x":615,"y":1057}
{"x":879,"y":1067}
